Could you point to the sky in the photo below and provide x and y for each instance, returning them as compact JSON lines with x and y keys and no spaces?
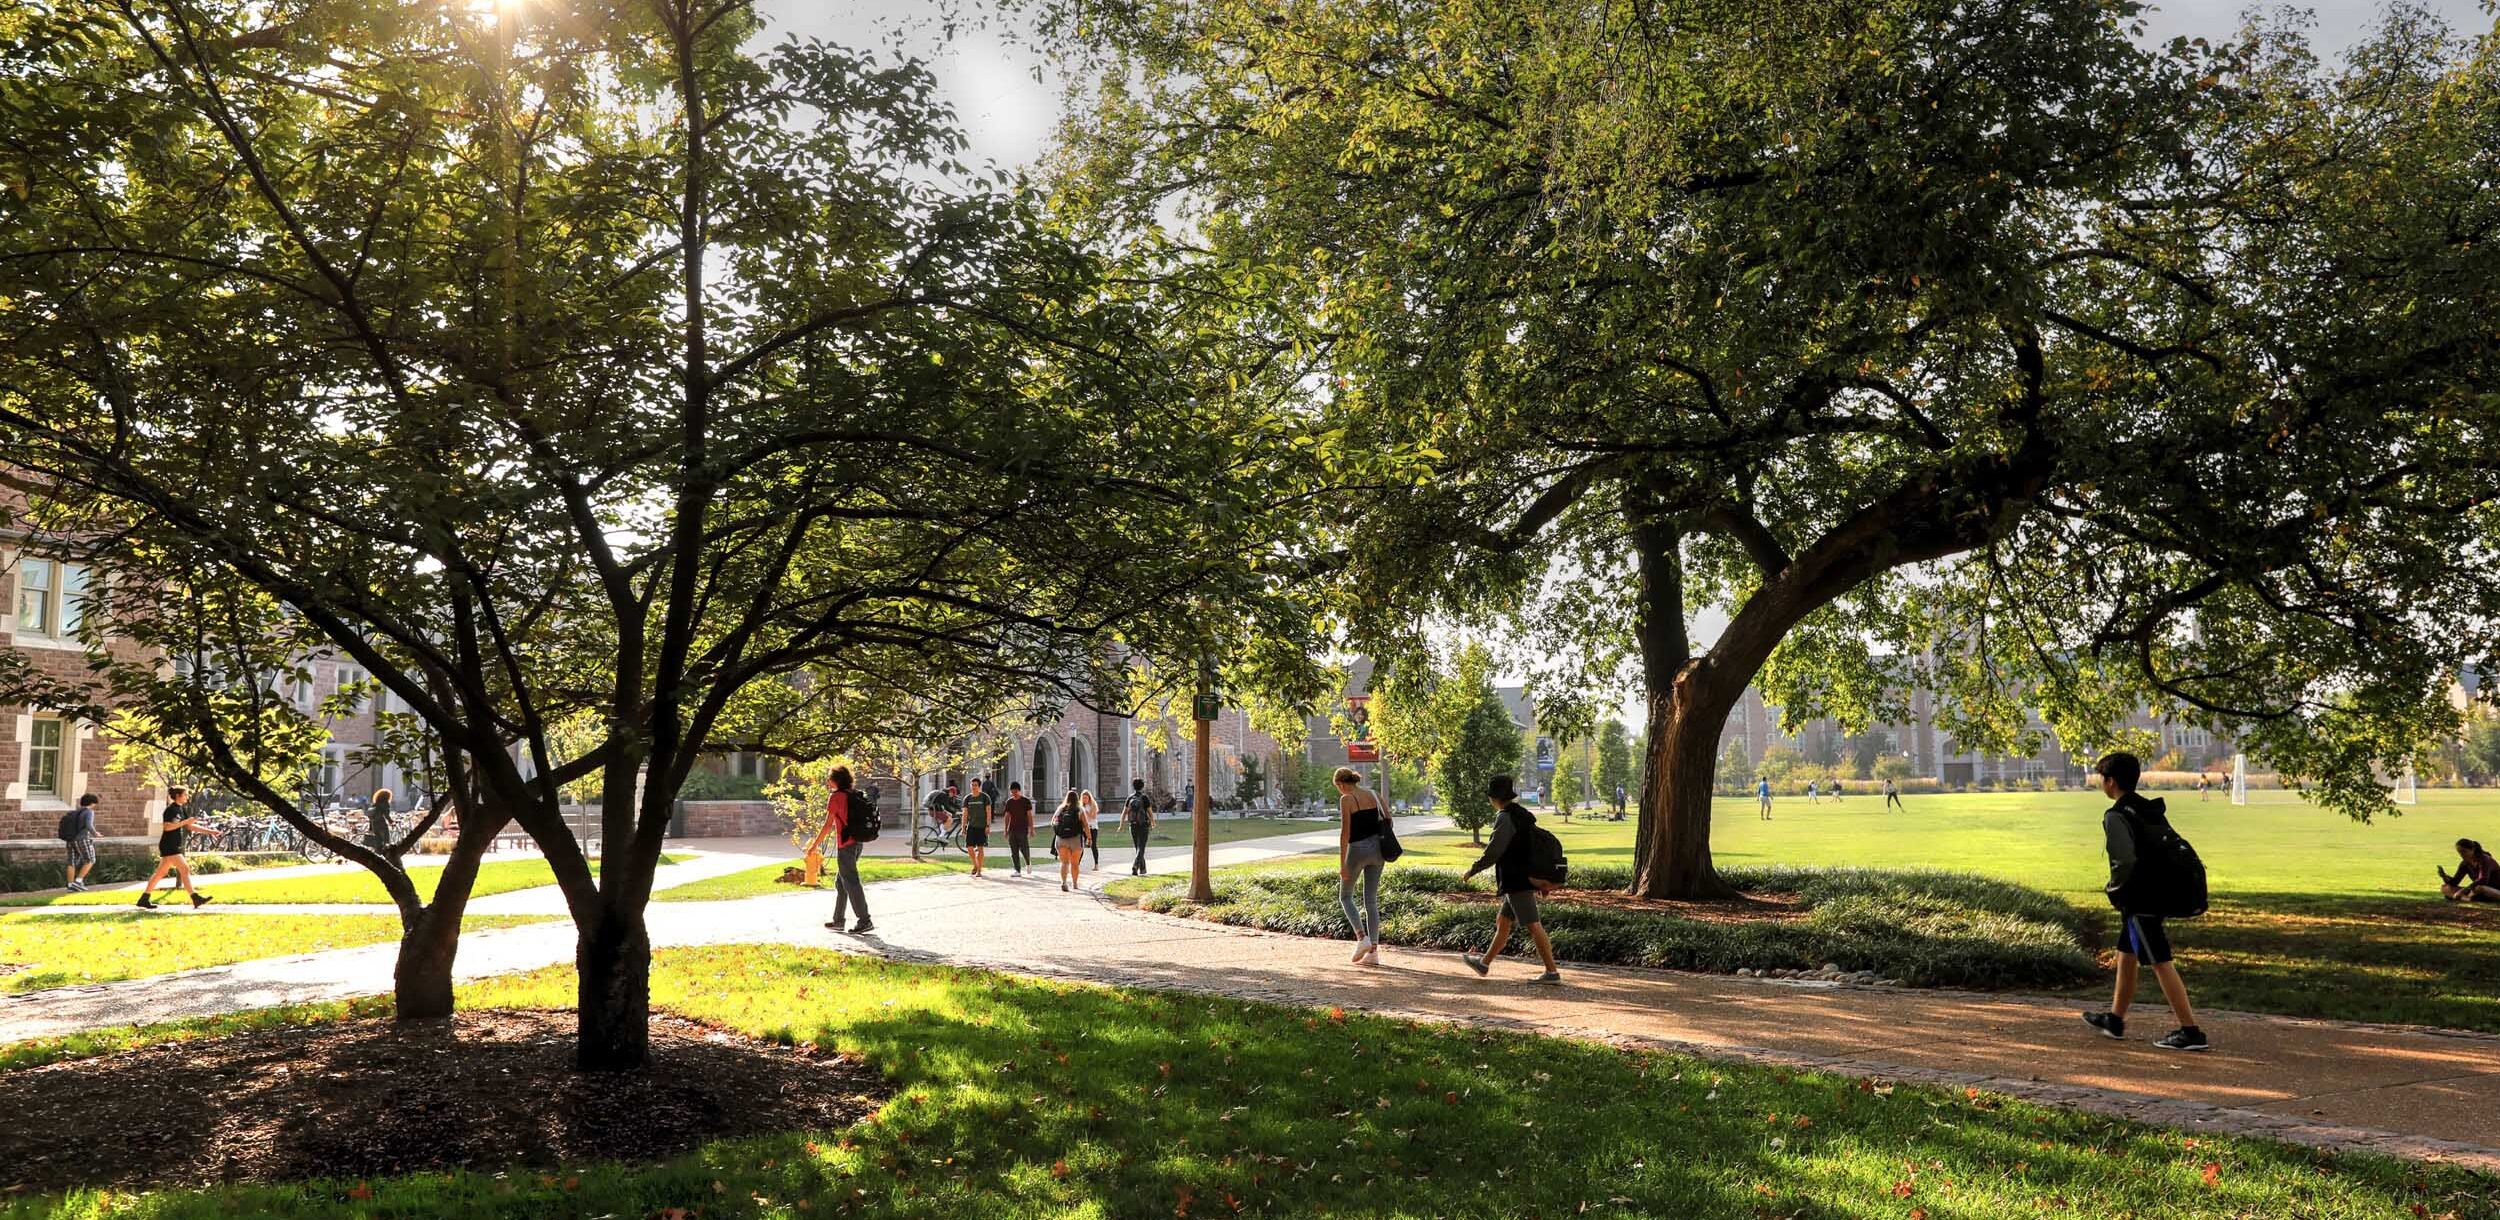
{"x":987,"y":70}
{"x":1009,"y":104}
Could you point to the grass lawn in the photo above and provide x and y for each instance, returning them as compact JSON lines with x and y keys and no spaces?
{"x":74,"y":950}
{"x":353,"y":885}
{"x":2314,"y":915}
{"x":765,"y":879}
{"x":1024,"y":1098}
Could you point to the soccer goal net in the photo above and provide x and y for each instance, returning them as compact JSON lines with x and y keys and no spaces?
{"x":2239,"y":779}
{"x":2406,"y":793}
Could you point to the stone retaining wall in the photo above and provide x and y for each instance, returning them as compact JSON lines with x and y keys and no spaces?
{"x":733,"y":820}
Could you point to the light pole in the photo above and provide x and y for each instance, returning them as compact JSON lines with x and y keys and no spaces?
{"x":1202,"y":709}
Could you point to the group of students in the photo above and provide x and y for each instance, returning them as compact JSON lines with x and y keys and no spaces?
{"x":78,"y":838}
{"x":1074,"y":829}
{"x":1365,"y":847}
{"x":1815,"y":792}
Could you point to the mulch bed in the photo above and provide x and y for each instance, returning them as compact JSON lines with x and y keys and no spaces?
{"x":366,"y":1099}
{"x":1752,"y":908}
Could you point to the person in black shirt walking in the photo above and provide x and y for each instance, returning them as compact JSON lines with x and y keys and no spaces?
{"x":170,"y":845}
{"x":1138,"y":814}
{"x":1508,"y":856}
{"x":2142,"y":941}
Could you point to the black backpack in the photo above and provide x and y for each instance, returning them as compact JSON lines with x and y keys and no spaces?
{"x":1547,"y":866}
{"x":1137,"y":810}
{"x":69,"y":826}
{"x":1069,"y":824}
{"x":2169,"y":877}
{"x":863,"y":820}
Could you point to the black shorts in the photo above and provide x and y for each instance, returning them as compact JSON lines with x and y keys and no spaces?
{"x":1520,"y":905}
{"x":2142,"y":935}
{"x":976,"y":835}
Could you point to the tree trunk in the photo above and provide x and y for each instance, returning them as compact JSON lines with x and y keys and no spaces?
{"x":613,"y":956}
{"x":421,"y":982}
{"x":1674,"y":854}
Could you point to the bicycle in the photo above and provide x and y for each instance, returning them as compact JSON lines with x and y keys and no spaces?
{"x":935,"y":839}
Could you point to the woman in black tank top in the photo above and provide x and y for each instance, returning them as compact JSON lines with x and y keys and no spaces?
{"x":1360,"y":821}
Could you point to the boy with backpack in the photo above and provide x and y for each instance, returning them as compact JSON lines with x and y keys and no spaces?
{"x":851,"y":821}
{"x":1522,"y":856}
{"x":77,"y":831}
{"x":1139,"y":816}
{"x":2153,"y":875}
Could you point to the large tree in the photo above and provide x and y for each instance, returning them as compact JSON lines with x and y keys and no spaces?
{"x":1972,"y":347}
{"x":568,"y":358}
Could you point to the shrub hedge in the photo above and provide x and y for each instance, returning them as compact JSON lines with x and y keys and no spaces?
{"x":1925,"y":928}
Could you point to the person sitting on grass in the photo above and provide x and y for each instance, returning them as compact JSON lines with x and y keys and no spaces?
{"x":2141,"y":939}
{"x":2477,"y":878}
{"x":1508,"y":856}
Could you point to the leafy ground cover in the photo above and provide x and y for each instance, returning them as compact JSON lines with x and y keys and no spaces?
{"x":353,"y":885}
{"x":1922,"y":928}
{"x":75,"y":950}
{"x":2314,"y":915}
{"x":1026,"y":1098}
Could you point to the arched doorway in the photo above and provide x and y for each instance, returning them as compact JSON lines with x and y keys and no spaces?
{"x":1081,"y":766}
{"x":1042,"y":789}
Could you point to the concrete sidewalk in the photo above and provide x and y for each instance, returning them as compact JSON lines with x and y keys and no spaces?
{"x":2412,"y":1093}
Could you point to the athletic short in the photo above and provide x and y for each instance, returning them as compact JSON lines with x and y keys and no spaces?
{"x":2142,"y":935}
{"x":976,"y":835}
{"x":1520,"y":905}
{"x":1070,"y":842}
{"x":82,"y":851}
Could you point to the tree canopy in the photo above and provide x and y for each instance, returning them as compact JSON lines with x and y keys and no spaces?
{"x":1973,"y":348}
{"x":571,"y":359}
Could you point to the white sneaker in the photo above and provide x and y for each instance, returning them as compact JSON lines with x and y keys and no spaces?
{"x":1362,"y":945}
{"x":1372,"y":956}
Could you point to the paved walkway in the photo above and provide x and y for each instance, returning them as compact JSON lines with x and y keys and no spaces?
{"x":2328,"y":1084}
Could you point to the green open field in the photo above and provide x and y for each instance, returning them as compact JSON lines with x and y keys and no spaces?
{"x":40,"y":951}
{"x":350,"y":885}
{"x":2314,"y":914}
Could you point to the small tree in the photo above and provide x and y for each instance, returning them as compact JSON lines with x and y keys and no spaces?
{"x":1736,"y":771}
{"x":1487,"y":744}
{"x":1781,"y":763}
{"x":1614,"y":759}
{"x":1251,"y":787}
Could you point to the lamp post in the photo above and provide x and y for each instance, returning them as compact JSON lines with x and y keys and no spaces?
{"x":1202,"y":709}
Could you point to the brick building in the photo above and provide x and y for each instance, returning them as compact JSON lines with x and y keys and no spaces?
{"x":47,"y":761}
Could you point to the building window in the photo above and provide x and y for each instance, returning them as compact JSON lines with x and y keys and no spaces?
{"x":51,"y":598}
{"x":45,"y":745}
{"x":349,"y":679}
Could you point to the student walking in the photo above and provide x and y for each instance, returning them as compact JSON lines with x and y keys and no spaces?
{"x":1138,"y":814}
{"x":1067,"y":840}
{"x":1892,"y":795}
{"x":78,"y":842}
{"x":1361,"y":825}
{"x":1508,"y":855}
{"x":976,"y":813}
{"x":1019,"y":811}
{"x":378,"y":820}
{"x":843,"y":810}
{"x":1092,"y":812}
{"x":1762,"y":793}
{"x":1810,"y":792}
{"x":170,"y":845}
{"x":2130,"y":825}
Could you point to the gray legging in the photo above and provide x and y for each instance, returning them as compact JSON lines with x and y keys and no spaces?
{"x":846,"y":887}
{"x":1363,"y":857}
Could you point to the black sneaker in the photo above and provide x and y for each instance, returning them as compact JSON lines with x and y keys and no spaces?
{"x":2110,"y":1024}
{"x":863,"y":928}
{"x":2189,"y":1039}
{"x":146,"y":903}
{"x":1475,"y":963}
{"x":201,"y":900}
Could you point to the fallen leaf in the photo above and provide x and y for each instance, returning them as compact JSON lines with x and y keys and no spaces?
{"x":2213,"y":1173}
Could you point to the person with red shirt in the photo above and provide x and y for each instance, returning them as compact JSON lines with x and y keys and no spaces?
{"x":1019,"y":811}
{"x":847,"y":891}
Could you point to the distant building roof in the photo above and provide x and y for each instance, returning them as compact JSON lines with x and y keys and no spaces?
{"x":1522,"y":709}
